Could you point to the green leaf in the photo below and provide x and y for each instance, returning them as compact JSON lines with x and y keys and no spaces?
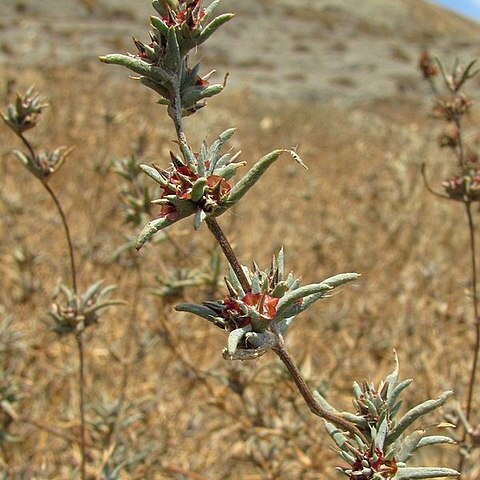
{"x":153,"y":173}
{"x":396,"y":392}
{"x":160,"y":25}
{"x":139,"y":66}
{"x":193,"y":95}
{"x":249,"y":179}
{"x":409,"y":445}
{"x":211,"y":8}
{"x":199,"y":310}
{"x":150,"y":229}
{"x":235,"y":337}
{"x":340,"y":279}
{"x":435,"y":440}
{"x":336,"y":435}
{"x":200,"y":216}
{"x":413,"y":473}
{"x":172,"y":59}
{"x":320,"y":399}
{"x":211,"y":28}
{"x":415,"y":413}
{"x":291,"y":298}
{"x":198,"y":189}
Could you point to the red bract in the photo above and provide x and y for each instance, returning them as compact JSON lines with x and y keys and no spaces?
{"x":263,"y":303}
{"x":218,"y":187}
{"x":190,"y":15}
{"x":170,"y":212}
{"x":386,"y":468}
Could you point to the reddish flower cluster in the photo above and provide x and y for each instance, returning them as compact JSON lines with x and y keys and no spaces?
{"x":189,"y":14}
{"x":180,"y":181}
{"x":426,"y":66}
{"x":263,"y":303}
{"x":465,"y":187}
{"x":452,"y":108}
{"x":377,"y":463}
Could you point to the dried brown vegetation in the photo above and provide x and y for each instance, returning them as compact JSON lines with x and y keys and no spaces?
{"x":361,"y":205}
{"x":158,"y":405}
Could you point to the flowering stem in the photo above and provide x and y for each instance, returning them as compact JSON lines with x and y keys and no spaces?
{"x":79,"y":339}
{"x":282,"y":352}
{"x":228,"y":252}
{"x":476,"y":351}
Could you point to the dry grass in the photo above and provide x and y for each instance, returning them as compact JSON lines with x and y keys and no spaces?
{"x":360,"y":207}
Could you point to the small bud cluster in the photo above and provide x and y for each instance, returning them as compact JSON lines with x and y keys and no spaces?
{"x":386,"y":448}
{"x":23,"y":115}
{"x":75,"y":313}
{"x":136,"y":195}
{"x":451,"y":105}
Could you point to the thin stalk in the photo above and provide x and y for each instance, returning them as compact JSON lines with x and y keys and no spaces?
{"x":81,"y":372}
{"x":67,"y":235}
{"x":228,"y":252}
{"x":61,"y":213}
{"x":79,"y":336}
{"x":476,"y":350}
{"x":461,"y":147}
{"x":129,"y":338}
{"x":282,"y":352}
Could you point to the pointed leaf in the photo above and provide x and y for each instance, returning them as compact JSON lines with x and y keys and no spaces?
{"x":413,"y":473}
{"x":396,"y":392}
{"x":235,"y":337}
{"x":216,"y":23}
{"x":153,"y":174}
{"x":199,"y":310}
{"x":139,"y":66}
{"x":435,"y":440}
{"x":150,"y":229}
{"x":200,"y":216}
{"x":160,"y":25}
{"x":250,"y":179}
{"x":409,"y":445}
{"x":415,"y":413}
{"x":291,"y":298}
{"x":172,"y":59}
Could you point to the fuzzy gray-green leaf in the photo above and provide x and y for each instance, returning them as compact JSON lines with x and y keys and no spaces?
{"x":415,"y":413}
{"x":413,"y":473}
{"x":397,"y":391}
{"x":435,"y":440}
{"x":138,"y":66}
{"x":153,"y":173}
{"x":235,"y":337}
{"x":250,"y":178}
{"x":196,"y":309}
{"x":215,"y":24}
{"x":160,"y":25}
{"x":409,"y":445}
{"x":150,"y":229}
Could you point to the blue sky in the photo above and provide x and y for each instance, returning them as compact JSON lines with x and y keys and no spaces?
{"x":469,"y":8}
